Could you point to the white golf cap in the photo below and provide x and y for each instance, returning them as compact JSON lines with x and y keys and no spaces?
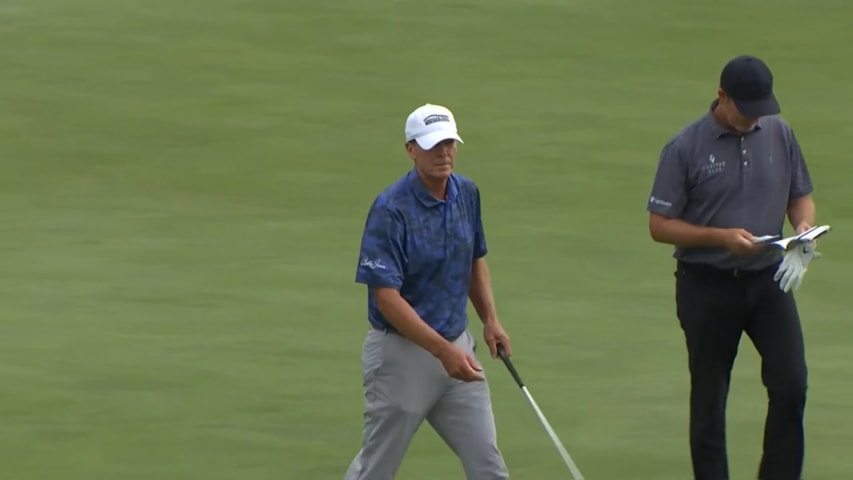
{"x":430,"y":124}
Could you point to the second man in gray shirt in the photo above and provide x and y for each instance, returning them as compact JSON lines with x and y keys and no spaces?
{"x":732,"y":175}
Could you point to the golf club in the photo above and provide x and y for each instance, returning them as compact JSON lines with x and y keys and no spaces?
{"x":576,"y":474}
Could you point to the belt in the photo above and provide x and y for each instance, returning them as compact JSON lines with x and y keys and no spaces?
{"x":395,"y":332}
{"x":710,"y":270}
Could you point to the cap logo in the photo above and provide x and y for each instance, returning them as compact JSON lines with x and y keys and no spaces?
{"x":436,"y":118}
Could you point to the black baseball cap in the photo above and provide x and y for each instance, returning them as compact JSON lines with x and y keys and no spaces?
{"x":749,"y":82}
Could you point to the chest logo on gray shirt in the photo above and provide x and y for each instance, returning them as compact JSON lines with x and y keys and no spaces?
{"x":713,"y":167}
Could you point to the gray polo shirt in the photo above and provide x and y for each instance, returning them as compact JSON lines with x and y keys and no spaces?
{"x":709,"y":176}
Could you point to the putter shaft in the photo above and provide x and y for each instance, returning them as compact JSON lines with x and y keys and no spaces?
{"x":567,"y":459}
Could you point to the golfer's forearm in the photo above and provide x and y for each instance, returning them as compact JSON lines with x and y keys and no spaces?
{"x":480,"y":291}
{"x":406,"y":320}
{"x":680,"y":233}
{"x":801,"y":212}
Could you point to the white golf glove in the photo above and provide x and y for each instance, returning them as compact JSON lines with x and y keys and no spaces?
{"x":794,"y":265}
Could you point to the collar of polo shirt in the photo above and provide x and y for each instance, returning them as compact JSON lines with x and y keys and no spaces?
{"x":720,"y":130}
{"x":424,"y":196}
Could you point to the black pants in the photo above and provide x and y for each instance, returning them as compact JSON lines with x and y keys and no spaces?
{"x":714,"y":307}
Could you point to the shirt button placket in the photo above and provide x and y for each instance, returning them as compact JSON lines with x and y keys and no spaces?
{"x":447,"y":221}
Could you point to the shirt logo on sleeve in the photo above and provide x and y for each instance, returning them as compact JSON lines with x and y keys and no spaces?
{"x":372,"y":264}
{"x":658,"y":201}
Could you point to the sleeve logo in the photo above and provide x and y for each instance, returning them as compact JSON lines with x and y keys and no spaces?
{"x":372,"y":264}
{"x":658,"y":201}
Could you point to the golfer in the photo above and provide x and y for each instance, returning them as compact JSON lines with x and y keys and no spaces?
{"x":422,"y":258}
{"x":732,"y":175}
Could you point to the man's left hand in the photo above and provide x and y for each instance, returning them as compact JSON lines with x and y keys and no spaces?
{"x":495,"y":335}
{"x":802,"y":228}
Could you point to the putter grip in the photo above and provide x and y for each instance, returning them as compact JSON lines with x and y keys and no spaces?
{"x":509,"y":366}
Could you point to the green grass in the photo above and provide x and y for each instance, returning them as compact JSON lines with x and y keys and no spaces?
{"x":184,"y":186}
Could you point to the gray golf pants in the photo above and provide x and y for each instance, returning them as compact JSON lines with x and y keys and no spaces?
{"x":405,"y":385}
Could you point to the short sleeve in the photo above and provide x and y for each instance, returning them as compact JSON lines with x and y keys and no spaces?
{"x":669,"y":189}
{"x":382,"y":256}
{"x":801,"y":183}
{"x":480,"y":248}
